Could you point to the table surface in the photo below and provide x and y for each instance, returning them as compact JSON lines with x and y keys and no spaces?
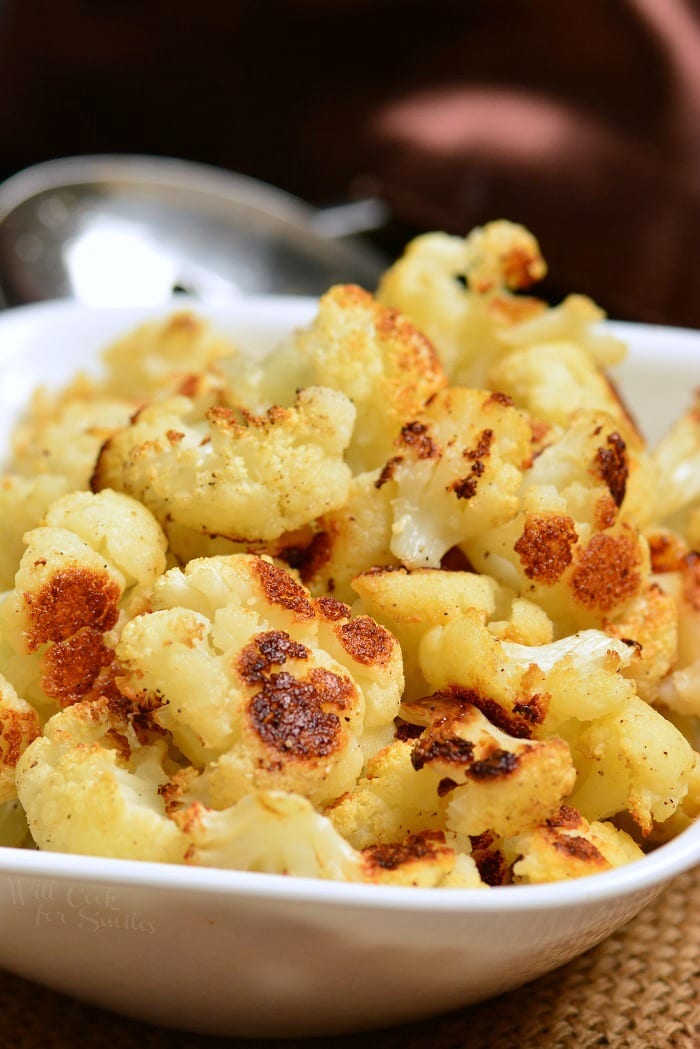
{"x":640,"y":989}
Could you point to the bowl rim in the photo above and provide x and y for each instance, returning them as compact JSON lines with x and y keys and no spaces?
{"x":650,"y":873}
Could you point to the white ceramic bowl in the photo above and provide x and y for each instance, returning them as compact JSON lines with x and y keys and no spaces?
{"x":246,"y":954}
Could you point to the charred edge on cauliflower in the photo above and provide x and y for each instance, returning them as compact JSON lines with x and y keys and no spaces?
{"x":578,"y":848}
{"x":612,"y":467}
{"x":388,"y":470}
{"x":416,"y":436}
{"x":281,"y":589}
{"x":272,"y":648}
{"x":545,"y":547}
{"x":289,"y":714}
{"x":390,"y":856}
{"x":490,"y":861}
{"x":73,"y":598}
{"x":451,"y":703}
{"x":567,"y":818}
{"x":18,"y":728}
{"x":666,"y":551}
{"x":465,"y":487}
{"x":332,"y":610}
{"x":440,"y":747}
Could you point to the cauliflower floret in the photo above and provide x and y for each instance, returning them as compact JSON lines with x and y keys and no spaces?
{"x":575,"y":320}
{"x":493,"y":781}
{"x":117,"y":527}
{"x":464,"y":323}
{"x":19,"y":726}
{"x":349,"y":540}
{"x":527,"y":688}
{"x":376,"y":357}
{"x":455,"y":475}
{"x":420,"y":859}
{"x":571,"y":547}
{"x":162,"y":354}
{"x":567,"y":846}
{"x":23,"y":502}
{"x":651,"y":621}
{"x":84,"y":571}
{"x":90,"y":785}
{"x":552,"y":379}
{"x":262,"y":687}
{"x":62,"y":433}
{"x":676,"y":463}
{"x":679,"y":580}
{"x":632,"y":760}
{"x":242,"y":478}
{"x":408,"y":604}
{"x":391,"y":801}
{"x":269,"y":831}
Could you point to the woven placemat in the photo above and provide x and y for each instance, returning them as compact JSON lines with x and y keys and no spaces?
{"x":640,"y":989}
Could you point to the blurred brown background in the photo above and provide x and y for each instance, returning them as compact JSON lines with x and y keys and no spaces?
{"x":580,"y":120}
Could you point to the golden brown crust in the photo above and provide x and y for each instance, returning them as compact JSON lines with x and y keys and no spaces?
{"x":332,"y":610}
{"x":281,"y":589}
{"x":545,"y":547}
{"x":389,"y":856}
{"x":18,"y":728}
{"x":73,"y":598}
{"x":366,"y":641}
{"x":608,"y":571}
{"x":70,"y":668}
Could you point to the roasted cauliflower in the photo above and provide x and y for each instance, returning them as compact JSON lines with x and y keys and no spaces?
{"x":407,"y":601}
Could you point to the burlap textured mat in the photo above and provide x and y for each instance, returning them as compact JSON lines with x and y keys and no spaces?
{"x":638,"y":990}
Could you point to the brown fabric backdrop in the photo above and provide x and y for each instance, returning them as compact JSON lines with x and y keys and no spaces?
{"x":583,"y":121}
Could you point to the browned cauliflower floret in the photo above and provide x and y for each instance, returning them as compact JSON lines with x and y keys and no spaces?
{"x":376,"y":357}
{"x":550,"y":380}
{"x":464,"y":323}
{"x":631,"y":760}
{"x":493,"y":781}
{"x":234,"y":475}
{"x":455,"y":474}
{"x":62,"y":433}
{"x":531,"y":689}
{"x":671,"y":638}
{"x":91,"y":785}
{"x":262,"y":687}
{"x":571,"y":548}
{"x":568,"y":846}
{"x":350,"y":540}
{"x":19,"y":726}
{"x":391,"y":801}
{"x":162,"y":355}
{"x":88,"y":567}
{"x":424,"y":859}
